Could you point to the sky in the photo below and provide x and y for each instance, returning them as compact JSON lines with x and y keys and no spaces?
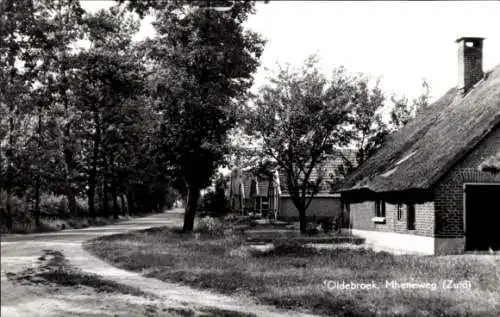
{"x":401,"y":43}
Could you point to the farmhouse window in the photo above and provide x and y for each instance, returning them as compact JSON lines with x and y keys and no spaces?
{"x":411,"y":216}
{"x":400,"y":211}
{"x":380,"y":208}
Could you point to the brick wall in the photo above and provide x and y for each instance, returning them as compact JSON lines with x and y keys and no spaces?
{"x":361,"y":215}
{"x":444,"y":216}
{"x":320,"y":207}
{"x":449,"y":192}
{"x":470,"y":67}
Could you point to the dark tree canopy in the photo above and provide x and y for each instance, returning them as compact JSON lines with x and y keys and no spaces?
{"x":205,"y":61}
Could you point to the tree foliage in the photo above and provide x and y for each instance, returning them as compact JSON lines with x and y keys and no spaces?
{"x":367,"y":129}
{"x":298,"y":117}
{"x":75,"y":120}
{"x":403,"y":111}
{"x":205,"y":62}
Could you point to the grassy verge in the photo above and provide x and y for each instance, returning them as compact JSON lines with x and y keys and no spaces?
{"x":297,"y":277}
{"x":54,"y":269}
{"x":55,"y":224}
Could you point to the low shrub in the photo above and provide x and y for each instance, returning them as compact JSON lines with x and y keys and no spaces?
{"x":171,"y":196}
{"x":22,"y":220}
{"x":82,"y":204}
{"x":78,"y":223}
{"x":312,"y":228}
{"x":53,"y":205}
{"x":327,"y":225}
{"x":53,"y":224}
{"x":214,"y":205}
{"x":210,"y":226}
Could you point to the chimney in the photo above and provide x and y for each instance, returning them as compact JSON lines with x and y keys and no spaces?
{"x":470,"y":62}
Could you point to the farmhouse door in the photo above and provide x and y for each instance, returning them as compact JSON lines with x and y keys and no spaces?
{"x":482,"y":217}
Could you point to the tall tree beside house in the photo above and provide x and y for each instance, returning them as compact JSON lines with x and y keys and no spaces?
{"x":403,"y":111}
{"x":297,"y":117}
{"x":205,"y":61}
{"x":368,"y":129}
{"x":365,"y":124}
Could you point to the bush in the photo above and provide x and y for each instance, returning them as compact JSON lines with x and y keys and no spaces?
{"x":171,"y":197}
{"x":210,"y":226}
{"x":22,"y":220}
{"x":53,"y":205}
{"x":214,"y":205}
{"x":312,"y":228}
{"x":82,"y":205}
{"x":50,"y":225}
{"x":327,"y":224}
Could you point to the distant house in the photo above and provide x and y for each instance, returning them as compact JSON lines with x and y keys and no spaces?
{"x":424,"y":191}
{"x":258,"y":191}
{"x":256,"y":187}
{"x":326,"y":203}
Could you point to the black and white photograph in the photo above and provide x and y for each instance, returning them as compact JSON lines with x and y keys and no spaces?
{"x":246,"y":158}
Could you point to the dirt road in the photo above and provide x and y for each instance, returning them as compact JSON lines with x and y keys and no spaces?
{"x":22,"y":252}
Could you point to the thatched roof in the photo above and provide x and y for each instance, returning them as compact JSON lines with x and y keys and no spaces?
{"x":491,"y":164}
{"x":329,"y":169}
{"x":416,"y":156}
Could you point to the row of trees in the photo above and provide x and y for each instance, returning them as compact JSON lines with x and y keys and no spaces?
{"x":74,"y":120}
{"x":87,"y":112}
{"x":117,"y":120}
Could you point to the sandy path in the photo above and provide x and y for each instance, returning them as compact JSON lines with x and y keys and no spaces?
{"x":21,"y":251}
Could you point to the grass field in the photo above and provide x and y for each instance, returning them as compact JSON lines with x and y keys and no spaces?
{"x":293,"y":276}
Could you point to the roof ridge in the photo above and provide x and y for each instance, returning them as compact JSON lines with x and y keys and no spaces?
{"x":441,"y":136}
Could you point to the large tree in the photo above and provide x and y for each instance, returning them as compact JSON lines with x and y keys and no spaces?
{"x":298,"y":117}
{"x":205,"y":62}
{"x":366,"y":127}
{"x":109,"y":80}
{"x":368,"y":130}
{"x":16,"y":27}
{"x":403,"y":111}
{"x":55,"y":26}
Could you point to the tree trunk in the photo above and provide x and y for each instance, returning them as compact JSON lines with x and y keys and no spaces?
{"x":122,"y":204}
{"x":116,"y":209}
{"x":38,"y":172}
{"x":10,"y":176}
{"x":8,"y":203}
{"x":99,"y":192}
{"x":91,"y":198}
{"x":67,"y":142}
{"x":302,"y":220}
{"x":190,"y":212}
{"x":105,"y":202}
{"x":10,"y":151}
{"x":93,"y":169}
{"x":37,"y":202}
{"x":114,"y":194}
{"x":70,"y":193}
{"x":130,"y":203}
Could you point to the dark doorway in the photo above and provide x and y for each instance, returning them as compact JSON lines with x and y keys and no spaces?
{"x":482,"y":217}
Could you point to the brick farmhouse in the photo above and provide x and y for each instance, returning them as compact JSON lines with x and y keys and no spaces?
{"x":434,"y":187}
{"x":325,"y":204}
